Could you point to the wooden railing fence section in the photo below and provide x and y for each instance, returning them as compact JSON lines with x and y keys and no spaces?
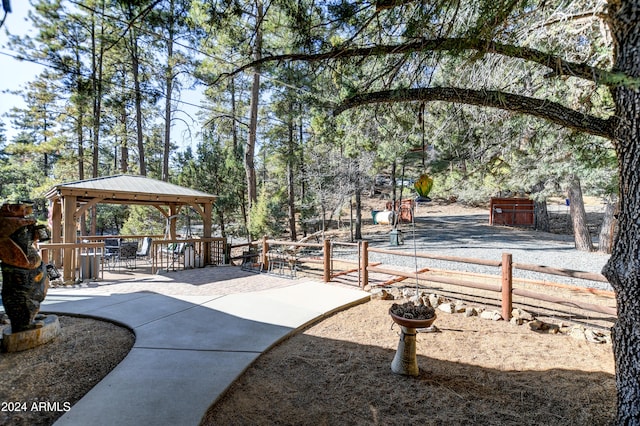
{"x":501,"y":283}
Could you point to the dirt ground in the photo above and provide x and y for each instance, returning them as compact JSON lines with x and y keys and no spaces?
{"x":473,"y":371}
{"x":37,"y":386}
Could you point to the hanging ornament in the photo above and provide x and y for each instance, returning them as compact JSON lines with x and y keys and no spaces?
{"x":423,"y":186}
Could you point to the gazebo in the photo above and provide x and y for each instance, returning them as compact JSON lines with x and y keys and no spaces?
{"x":69,"y":201}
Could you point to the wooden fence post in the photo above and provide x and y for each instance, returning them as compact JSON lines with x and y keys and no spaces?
{"x":265,"y":250}
{"x":507,"y":285}
{"x":326,"y":255}
{"x":364,"y":263}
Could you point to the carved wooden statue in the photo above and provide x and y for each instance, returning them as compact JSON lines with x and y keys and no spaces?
{"x":24,"y":275}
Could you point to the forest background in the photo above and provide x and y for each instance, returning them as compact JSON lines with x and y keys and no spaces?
{"x":307,"y":102}
{"x":109,"y":100}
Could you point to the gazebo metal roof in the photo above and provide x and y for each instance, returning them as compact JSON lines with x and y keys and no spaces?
{"x":129,"y":189}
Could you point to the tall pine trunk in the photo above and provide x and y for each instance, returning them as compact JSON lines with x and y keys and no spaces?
{"x":97,"y":57}
{"x":608,"y":228}
{"x":578,"y":214}
{"x":540,"y":212}
{"x":623,"y":268}
{"x":135,"y":68}
{"x":249,"y":164}
{"x":169,"y":95}
{"x":358,"y":204}
{"x":291,"y":202}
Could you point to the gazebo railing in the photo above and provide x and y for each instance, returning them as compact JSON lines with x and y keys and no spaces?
{"x":180,"y":254}
{"x":86,"y":259}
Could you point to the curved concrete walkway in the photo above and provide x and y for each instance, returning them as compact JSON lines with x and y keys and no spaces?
{"x":196,"y":332}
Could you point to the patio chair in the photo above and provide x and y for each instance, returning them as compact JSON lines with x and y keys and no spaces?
{"x":173,"y":254}
{"x":111,"y":252}
{"x":127,"y":256}
{"x":282,"y":262}
{"x":145,"y":250}
{"x":178,"y":253}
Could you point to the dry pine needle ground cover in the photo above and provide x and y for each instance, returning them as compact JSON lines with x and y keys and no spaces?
{"x":338,"y":371}
{"x":473,"y":371}
{"x":38,"y":385}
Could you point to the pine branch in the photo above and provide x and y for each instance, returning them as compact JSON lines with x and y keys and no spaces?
{"x":550,"y":111}
{"x":390,"y":4}
{"x":557,"y":65}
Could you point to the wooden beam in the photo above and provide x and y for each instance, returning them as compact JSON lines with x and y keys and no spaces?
{"x":55,"y":221}
{"x":69,"y":236}
{"x":83,"y":208}
{"x":206,"y":232}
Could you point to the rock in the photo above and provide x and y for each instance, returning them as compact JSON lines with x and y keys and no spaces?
{"x":491,"y":315}
{"x":460,"y":307}
{"x":470,"y":312}
{"x":537,"y":325}
{"x":447,"y":307}
{"x":408,"y":293}
{"x":381,"y":294}
{"x":516,"y":321}
{"x":577,"y":332}
{"x":521,"y":314}
{"x":593,"y":336}
{"x":417,"y":300}
{"x":435,"y":300}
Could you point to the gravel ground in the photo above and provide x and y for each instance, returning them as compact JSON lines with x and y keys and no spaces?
{"x":470,"y":236}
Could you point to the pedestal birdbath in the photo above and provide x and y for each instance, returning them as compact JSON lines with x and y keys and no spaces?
{"x":409,"y":317}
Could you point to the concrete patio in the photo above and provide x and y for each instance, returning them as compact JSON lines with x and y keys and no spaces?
{"x":196,"y":332}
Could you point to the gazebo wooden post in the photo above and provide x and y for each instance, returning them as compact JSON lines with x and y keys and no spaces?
{"x":206,"y":231}
{"x":69,"y":236}
{"x":56,"y":230}
{"x":173,"y":209}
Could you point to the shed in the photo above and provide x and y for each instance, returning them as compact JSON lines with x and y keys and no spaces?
{"x":511,"y":211}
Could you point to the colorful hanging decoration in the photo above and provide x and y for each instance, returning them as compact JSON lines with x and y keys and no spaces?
{"x":423,"y":185}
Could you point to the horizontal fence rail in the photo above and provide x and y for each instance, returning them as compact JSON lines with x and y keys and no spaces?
{"x":332,"y":260}
{"x":561,"y":272}
{"x":504,"y":282}
{"x":339,"y":258}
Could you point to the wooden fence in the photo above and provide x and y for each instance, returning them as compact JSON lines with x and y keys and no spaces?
{"x":502,"y":283}
{"x":332,"y":259}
